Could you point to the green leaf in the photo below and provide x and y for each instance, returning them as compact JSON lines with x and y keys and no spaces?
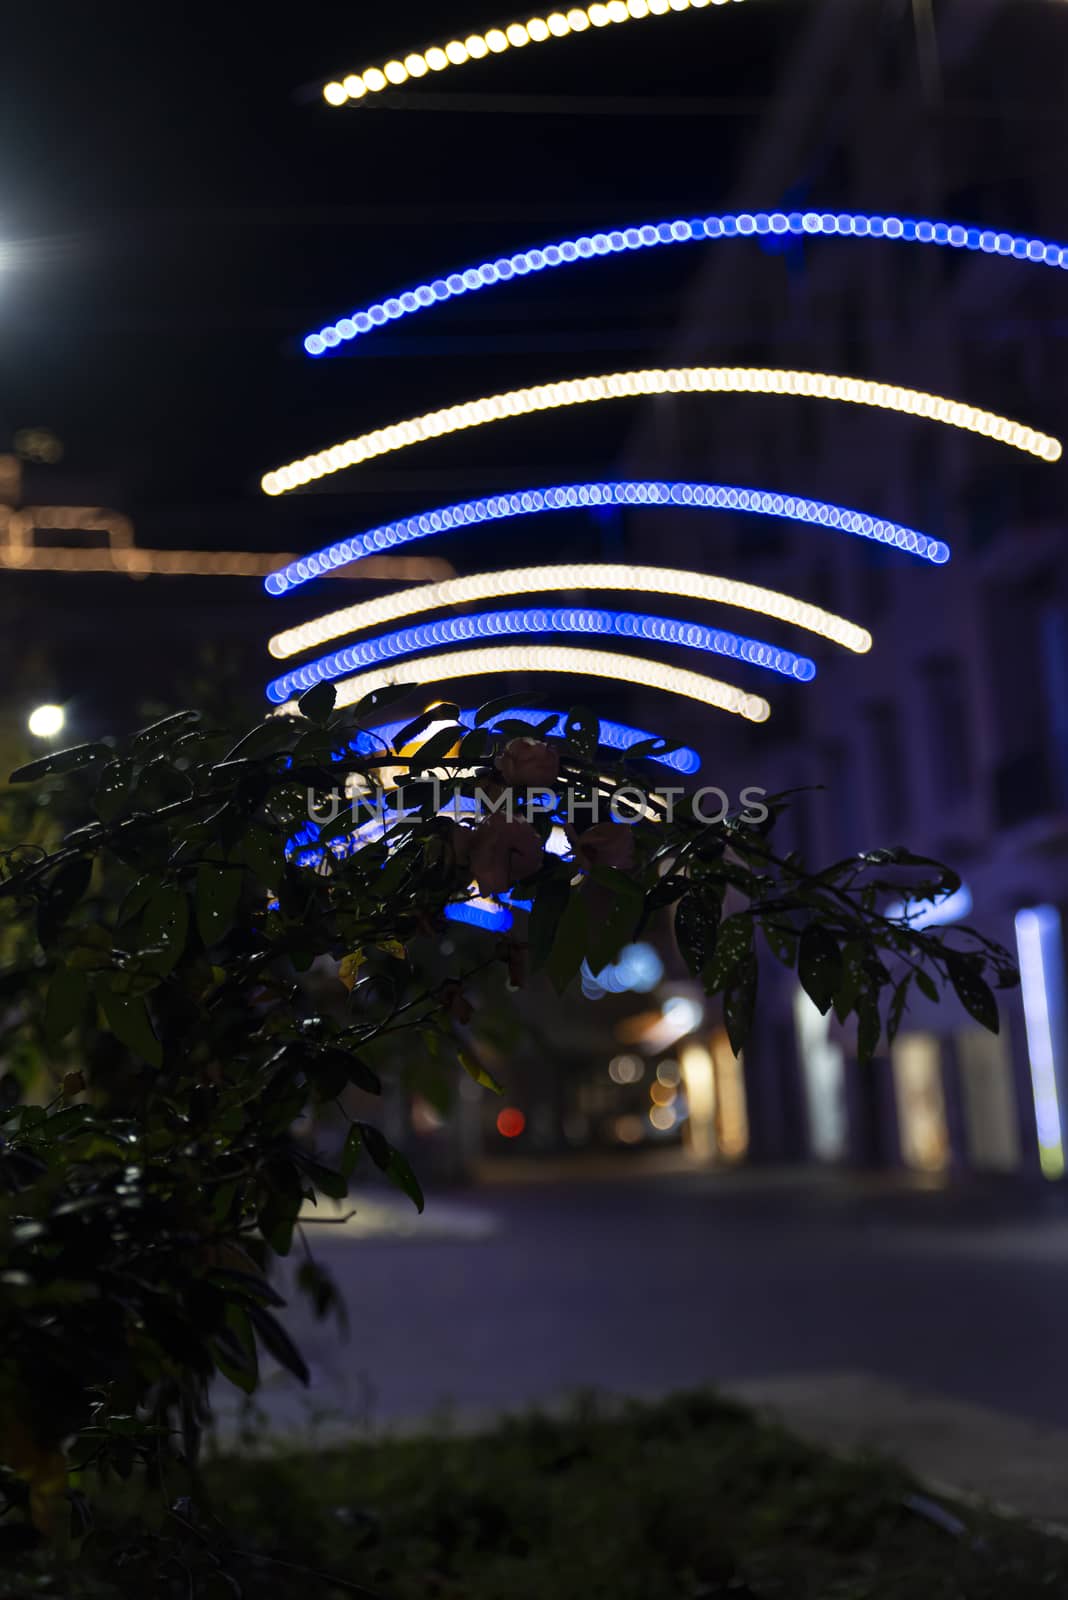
{"x":426,"y":719}
{"x":376,"y":1144}
{"x":113,"y":789}
{"x":350,"y":1068}
{"x":782,"y":943}
{"x":317,"y":704}
{"x":926,"y":985}
{"x":218,"y":890}
{"x":734,"y":942}
{"x":333,"y":1184}
{"x":853,"y":979}
{"x":869,"y":1026}
{"x":350,"y":1151}
{"x":379,"y":699}
{"x":136,"y":898}
{"x":569,"y":944}
{"x":436,"y":748}
{"x":739,"y":1004}
{"x":127,"y":1017}
{"x":399,"y":1172}
{"x":60,"y":762}
{"x":477,"y":1072}
{"x":650,"y":747}
{"x":64,"y":891}
{"x":696,"y":923}
{"x":550,"y":901}
{"x":507,"y":702}
{"x":475,"y":747}
{"x":361,"y":1076}
{"x":973,"y":992}
{"x":166,"y":728}
{"x":164,"y":928}
{"x":616,"y":925}
{"x":583,"y":729}
{"x":343,"y":824}
{"x":236,"y":1358}
{"x":897,"y":1008}
{"x":276,"y":1340}
{"x":66,"y":996}
{"x":385,"y":1157}
{"x":267,"y":738}
{"x":819,"y":965}
{"x":261,"y":851}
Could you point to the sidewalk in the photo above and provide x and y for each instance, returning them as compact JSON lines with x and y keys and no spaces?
{"x":1002,"y":1462}
{"x":870,"y":1313}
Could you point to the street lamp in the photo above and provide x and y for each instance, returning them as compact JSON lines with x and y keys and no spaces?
{"x":46,"y":722}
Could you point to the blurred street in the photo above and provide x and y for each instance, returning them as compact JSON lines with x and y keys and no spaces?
{"x":518,"y":1293}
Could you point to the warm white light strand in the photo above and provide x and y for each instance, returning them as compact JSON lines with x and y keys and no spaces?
{"x":496,"y":41}
{"x":674,"y":380}
{"x":586,"y":575}
{"x":554,"y":658}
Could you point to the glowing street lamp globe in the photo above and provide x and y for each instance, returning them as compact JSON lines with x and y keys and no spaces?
{"x":46,"y":722}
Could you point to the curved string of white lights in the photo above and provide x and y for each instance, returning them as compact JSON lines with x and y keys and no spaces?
{"x":495,"y":41}
{"x":585,"y":496}
{"x":585,"y":575}
{"x":674,"y":380}
{"x":636,"y":670}
{"x":682,"y":230}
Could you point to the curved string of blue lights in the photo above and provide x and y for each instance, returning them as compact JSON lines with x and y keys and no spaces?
{"x":622,"y":492}
{"x":611,"y":736}
{"x":746,"y":224}
{"x":540,"y":619}
{"x":304,"y":847}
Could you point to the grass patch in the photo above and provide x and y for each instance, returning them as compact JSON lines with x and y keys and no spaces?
{"x":690,"y":1499}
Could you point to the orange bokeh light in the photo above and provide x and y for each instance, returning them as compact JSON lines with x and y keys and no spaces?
{"x":510,"y":1122}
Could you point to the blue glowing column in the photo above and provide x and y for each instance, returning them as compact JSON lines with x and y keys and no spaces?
{"x":1040,"y":944}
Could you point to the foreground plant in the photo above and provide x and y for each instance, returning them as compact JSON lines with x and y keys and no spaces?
{"x":191,"y":972}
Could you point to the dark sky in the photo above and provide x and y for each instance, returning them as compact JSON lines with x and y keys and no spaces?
{"x":183,"y":208}
{"x":178,"y":208}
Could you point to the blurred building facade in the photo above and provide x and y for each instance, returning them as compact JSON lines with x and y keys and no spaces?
{"x":952,"y":735}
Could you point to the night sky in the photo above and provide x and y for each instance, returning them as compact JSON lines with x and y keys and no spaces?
{"x":180,"y":207}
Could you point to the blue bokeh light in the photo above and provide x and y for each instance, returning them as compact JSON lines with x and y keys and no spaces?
{"x":746,"y":224}
{"x":539,"y":619}
{"x":619,"y":736}
{"x":625,"y":492}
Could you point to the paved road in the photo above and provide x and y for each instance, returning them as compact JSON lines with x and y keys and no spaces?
{"x":517,"y":1294}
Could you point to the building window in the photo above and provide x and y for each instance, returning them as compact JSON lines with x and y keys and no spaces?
{"x":921,"y":1111}
{"x":948,"y":727}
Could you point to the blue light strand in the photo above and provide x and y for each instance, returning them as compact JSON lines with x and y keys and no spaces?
{"x":645,"y":236}
{"x":540,"y":619}
{"x":620,"y":492}
{"x":499,"y":920}
{"x":613,"y":736}
{"x":303,"y":845}
{"x":494,"y":918}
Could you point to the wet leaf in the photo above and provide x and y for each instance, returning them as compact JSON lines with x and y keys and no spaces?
{"x":317,"y":704}
{"x":218,"y":890}
{"x":819,"y":965}
{"x":67,"y":994}
{"x":973,"y":992}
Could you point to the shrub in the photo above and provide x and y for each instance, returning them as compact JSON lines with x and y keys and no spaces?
{"x":190,"y":969}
